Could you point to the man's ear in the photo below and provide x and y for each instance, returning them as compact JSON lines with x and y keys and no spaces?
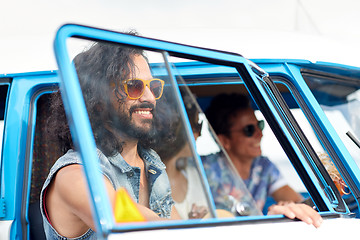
{"x":225,"y":141}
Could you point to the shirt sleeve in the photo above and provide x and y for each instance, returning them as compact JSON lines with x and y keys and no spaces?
{"x":277,"y":180}
{"x":279,"y":183}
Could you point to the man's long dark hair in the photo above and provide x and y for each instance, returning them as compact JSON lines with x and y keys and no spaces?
{"x":100,"y":68}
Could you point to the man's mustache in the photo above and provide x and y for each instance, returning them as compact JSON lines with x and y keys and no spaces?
{"x":142,"y":105}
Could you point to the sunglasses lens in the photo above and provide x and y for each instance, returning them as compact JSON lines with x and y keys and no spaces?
{"x":135,"y":88}
{"x":261,"y":124}
{"x":249,"y":130}
{"x":156,"y":88}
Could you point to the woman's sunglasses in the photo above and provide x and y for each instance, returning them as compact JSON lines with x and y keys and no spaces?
{"x":135,"y":88}
{"x":249,"y":130}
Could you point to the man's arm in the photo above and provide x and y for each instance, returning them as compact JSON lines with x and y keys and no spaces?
{"x":67,"y":202}
{"x":68,"y":205}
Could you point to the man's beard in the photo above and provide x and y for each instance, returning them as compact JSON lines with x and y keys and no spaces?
{"x":144,"y":133}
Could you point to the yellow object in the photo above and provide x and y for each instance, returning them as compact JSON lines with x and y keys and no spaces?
{"x":125,"y":209}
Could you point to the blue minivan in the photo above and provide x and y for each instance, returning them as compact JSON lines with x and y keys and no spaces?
{"x":310,"y":110}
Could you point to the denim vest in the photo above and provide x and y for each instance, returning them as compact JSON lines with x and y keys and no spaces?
{"x":120,"y":174}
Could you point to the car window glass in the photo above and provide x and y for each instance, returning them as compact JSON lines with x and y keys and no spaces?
{"x":314,"y":140}
{"x":139,"y":103}
{"x":228,"y":189}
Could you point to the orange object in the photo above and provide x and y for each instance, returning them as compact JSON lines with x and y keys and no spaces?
{"x":334,"y":174}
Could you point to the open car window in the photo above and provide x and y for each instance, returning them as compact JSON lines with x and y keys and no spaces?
{"x":228,"y":190}
{"x":336,"y":184}
{"x":339,"y":98}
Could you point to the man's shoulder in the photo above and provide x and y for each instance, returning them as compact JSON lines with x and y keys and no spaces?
{"x":71,"y":157}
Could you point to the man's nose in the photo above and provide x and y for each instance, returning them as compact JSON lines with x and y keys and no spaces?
{"x":148,"y":96}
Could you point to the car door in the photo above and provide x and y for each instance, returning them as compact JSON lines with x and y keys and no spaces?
{"x":258,"y":84}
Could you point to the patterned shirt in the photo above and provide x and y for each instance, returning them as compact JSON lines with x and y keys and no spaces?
{"x":265,"y":178}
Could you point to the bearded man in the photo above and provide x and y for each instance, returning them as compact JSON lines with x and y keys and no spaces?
{"x":120,"y":94}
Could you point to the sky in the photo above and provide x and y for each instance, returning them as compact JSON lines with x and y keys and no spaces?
{"x":316,"y":30}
